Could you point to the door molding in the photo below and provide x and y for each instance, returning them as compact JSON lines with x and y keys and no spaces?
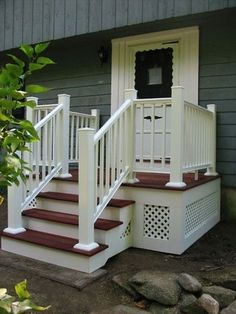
{"x":185,"y":44}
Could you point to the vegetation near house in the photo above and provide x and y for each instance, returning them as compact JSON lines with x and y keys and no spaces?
{"x":15,"y":134}
{"x":9,"y":304}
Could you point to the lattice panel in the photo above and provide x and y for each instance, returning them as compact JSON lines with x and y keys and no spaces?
{"x":198,"y":212}
{"x":156,"y":222}
{"x":127,"y":231}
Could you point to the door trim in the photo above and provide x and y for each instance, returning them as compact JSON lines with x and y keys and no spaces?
{"x":185,"y":63}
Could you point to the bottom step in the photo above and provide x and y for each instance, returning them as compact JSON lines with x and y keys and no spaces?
{"x":54,"y":249}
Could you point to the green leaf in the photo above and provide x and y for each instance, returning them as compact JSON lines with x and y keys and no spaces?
{"x":14,"y":69}
{"x":17,"y":60}
{"x":4,"y":92}
{"x":40,"y":47}
{"x":7,"y":104}
{"x":18,"y":94}
{"x":28,"y":126}
{"x":3,"y":292}
{"x":35,"y":89}
{"x":36,"y":66}
{"x":29,"y":103}
{"x":3,"y":117}
{"x":21,"y":290}
{"x":45,"y":60}
{"x":28,"y":50}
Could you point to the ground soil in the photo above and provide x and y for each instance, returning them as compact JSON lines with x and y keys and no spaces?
{"x":214,"y":255}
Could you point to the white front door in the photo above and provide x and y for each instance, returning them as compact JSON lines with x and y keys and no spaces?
{"x":152,"y":64}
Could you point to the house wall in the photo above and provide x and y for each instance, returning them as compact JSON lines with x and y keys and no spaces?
{"x":79,"y":73}
{"x":34,"y":21}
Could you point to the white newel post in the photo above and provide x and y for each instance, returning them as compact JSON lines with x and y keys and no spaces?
{"x":15,"y":199}
{"x":177,"y":138}
{"x":96,"y":113}
{"x":211,"y":171}
{"x":64,"y":135}
{"x":87,"y":189}
{"x":130,"y":141}
{"x":30,"y":113}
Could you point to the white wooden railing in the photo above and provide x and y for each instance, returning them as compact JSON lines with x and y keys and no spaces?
{"x":153,"y":131}
{"x":78,"y":121}
{"x":193,"y":138}
{"x":105,"y":162}
{"x":178,"y":137}
{"x":47,"y":159}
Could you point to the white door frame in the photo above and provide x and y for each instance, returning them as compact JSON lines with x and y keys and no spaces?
{"x":185,"y":44}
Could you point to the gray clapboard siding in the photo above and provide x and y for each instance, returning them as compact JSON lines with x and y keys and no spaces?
{"x":226,"y":155}
{"x":18,"y":22}
{"x":78,"y":72}
{"x":150,"y":10}
{"x":108,"y":14}
{"x":48,"y":19}
{"x":135,"y":11}
{"x":37,"y":21}
{"x":121,"y":16}
{"x":9,"y":24}
{"x":28,"y":21}
{"x":95,"y":15}
{"x":2,"y":25}
{"x":40,"y":20}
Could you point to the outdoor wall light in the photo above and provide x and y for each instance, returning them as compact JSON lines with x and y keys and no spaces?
{"x":102,"y":54}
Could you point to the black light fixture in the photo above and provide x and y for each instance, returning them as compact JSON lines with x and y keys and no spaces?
{"x":102,"y":54}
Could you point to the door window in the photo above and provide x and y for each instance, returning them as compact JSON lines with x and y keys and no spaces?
{"x":154,"y":73}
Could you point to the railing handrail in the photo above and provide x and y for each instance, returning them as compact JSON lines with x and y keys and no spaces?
{"x":42,"y":122}
{"x":156,"y":101}
{"x":100,"y":133}
{"x":200,"y":108}
{"x":84,"y":115}
{"x":46,"y":106}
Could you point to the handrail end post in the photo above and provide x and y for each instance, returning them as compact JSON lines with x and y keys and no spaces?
{"x":87,"y":189}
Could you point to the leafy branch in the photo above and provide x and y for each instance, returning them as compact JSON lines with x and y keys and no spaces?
{"x":15,"y":134}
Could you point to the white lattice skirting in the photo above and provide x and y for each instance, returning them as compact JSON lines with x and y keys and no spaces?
{"x":169,"y":220}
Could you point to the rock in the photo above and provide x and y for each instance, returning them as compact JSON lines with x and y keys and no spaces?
{"x":222,"y":295}
{"x":231,"y":309}
{"x":157,"y":286}
{"x":189,"y":283}
{"x":188,"y":304}
{"x":157,"y":308}
{"x":122,"y":281}
{"x":209,"y":304}
{"x":121,"y":309}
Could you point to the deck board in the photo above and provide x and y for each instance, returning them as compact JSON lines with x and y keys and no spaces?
{"x":157,"y":180}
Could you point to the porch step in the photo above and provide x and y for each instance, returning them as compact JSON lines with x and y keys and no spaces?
{"x":69,"y":197}
{"x":70,"y":219}
{"x":53,"y":241}
{"x":54,"y":249}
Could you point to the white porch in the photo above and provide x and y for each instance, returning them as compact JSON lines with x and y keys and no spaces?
{"x":166,"y":207}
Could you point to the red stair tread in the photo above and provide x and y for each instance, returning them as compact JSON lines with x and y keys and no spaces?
{"x":53,"y":241}
{"x":119,"y":203}
{"x":102,"y":224}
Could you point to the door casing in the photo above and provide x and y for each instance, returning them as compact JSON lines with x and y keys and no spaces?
{"x":185,"y":45}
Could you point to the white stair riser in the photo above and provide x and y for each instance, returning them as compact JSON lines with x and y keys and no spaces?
{"x":58,"y":205}
{"x":113,"y":213}
{"x":61,"y":229}
{"x":113,"y":238}
{"x":62,"y":186}
{"x":54,"y":256}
